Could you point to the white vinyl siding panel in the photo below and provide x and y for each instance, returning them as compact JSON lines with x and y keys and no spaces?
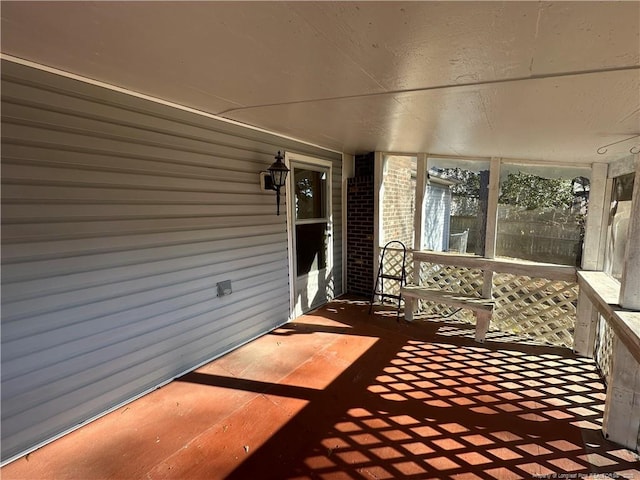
{"x":437,"y":208}
{"x":119,"y":216}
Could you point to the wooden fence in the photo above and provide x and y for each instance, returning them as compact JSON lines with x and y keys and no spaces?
{"x":534,"y":241}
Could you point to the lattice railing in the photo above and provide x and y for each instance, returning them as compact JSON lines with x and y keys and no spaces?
{"x":449,"y":278}
{"x":542,"y":309}
{"x":604,"y":348}
{"x":539,"y":308}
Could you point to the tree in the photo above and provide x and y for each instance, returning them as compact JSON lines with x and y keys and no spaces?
{"x":534,"y":192}
{"x":468,"y":182}
{"x":521,"y":189}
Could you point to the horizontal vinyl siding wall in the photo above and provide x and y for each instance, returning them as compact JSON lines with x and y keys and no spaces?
{"x":119,"y":216}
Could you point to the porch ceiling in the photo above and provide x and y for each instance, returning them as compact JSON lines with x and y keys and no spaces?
{"x":536,"y":80}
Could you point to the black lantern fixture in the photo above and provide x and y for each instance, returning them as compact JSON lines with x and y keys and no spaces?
{"x":278,"y":173}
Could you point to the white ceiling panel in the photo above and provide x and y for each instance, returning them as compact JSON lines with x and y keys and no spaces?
{"x":532,"y":80}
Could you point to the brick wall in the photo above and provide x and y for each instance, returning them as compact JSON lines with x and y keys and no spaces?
{"x":360,"y":227}
{"x":398,"y":203}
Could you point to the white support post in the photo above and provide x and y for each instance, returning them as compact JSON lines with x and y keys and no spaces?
{"x":421,"y":184}
{"x":483,"y":319}
{"x":482,"y":325}
{"x":487,"y":284}
{"x":621,"y":421}
{"x":409,"y":307}
{"x":378,"y":169}
{"x":492,"y":209}
{"x":594,"y":225}
{"x":587,"y":316}
{"x":630,"y":283}
{"x":608,"y":190}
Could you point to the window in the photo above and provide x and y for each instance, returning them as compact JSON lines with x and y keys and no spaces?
{"x":310,"y":189}
{"x":541,"y":213}
{"x":540,"y":217}
{"x":455,"y":206}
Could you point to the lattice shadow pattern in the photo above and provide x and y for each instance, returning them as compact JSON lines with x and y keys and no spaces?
{"x":450,"y":412}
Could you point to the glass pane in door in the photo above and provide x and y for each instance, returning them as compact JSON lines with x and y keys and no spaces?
{"x":311,"y":251}
{"x":310,"y":194}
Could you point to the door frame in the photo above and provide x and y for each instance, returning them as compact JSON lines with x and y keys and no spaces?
{"x":299,"y":159}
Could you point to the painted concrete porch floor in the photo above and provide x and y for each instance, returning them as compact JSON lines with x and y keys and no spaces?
{"x":338,"y":394}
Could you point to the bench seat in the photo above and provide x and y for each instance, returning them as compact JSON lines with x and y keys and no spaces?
{"x":481,"y":307}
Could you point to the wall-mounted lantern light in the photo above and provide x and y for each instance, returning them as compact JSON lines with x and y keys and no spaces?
{"x":276,"y":179}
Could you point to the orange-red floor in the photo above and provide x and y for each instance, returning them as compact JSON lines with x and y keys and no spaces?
{"x":338,"y":394}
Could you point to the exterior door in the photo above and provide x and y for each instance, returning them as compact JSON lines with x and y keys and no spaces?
{"x":311,"y":228}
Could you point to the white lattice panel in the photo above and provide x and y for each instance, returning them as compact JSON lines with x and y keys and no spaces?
{"x":604,"y":348}
{"x":451,"y":279}
{"x":542,"y":309}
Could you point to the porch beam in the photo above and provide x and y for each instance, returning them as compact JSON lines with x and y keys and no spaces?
{"x":624,"y":166}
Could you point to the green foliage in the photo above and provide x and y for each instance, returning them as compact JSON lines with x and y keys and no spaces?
{"x":469,"y":182}
{"x":525,"y":190}
{"x":533,"y":192}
